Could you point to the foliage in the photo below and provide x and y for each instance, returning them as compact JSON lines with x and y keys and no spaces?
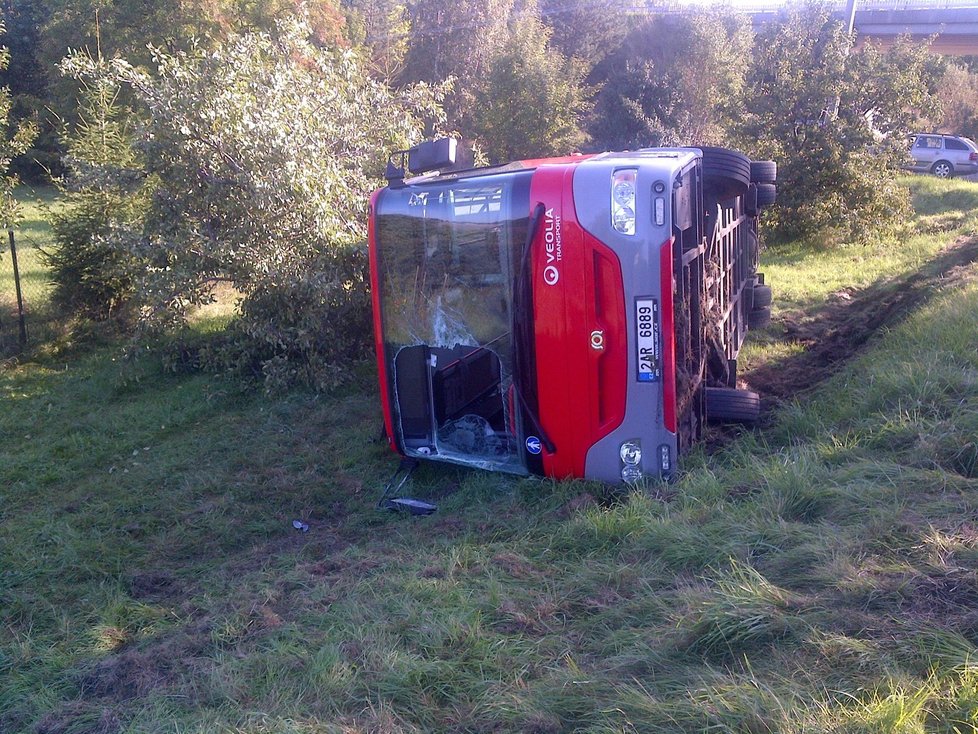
{"x":323,"y":311}
{"x":263,"y":154}
{"x":103,"y":191}
{"x":892,"y":90}
{"x":530,"y":101}
{"x":456,"y":40}
{"x":828,"y":193}
{"x":42,"y":32}
{"x":958,"y":95}
{"x":119,"y":28}
{"x":836,"y":121}
{"x":676,"y":79}
{"x":587,"y":31}
{"x":383,"y":27}
{"x":28,"y":85}
{"x":14,"y":140}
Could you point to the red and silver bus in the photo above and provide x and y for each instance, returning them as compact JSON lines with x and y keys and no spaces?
{"x":570,"y":317}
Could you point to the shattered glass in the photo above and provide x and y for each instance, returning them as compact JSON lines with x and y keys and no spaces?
{"x":449,"y":253}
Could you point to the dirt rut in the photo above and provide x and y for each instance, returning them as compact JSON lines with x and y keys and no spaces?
{"x":838,"y":331}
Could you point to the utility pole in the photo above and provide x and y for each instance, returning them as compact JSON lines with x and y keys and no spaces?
{"x":851,"y":13}
{"x":850,"y":32}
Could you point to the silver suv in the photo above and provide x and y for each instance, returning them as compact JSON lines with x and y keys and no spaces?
{"x":943,"y":155}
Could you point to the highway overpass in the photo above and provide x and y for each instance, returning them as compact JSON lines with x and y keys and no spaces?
{"x":953,"y":23}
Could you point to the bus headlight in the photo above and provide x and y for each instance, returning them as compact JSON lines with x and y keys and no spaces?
{"x":631,"y":474}
{"x":631,"y":453}
{"x":623,"y":200}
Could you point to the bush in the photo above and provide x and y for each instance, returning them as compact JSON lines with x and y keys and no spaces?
{"x":91,"y":277}
{"x":836,"y":120}
{"x":827,"y":194}
{"x":261,"y":156}
{"x":287,"y":328}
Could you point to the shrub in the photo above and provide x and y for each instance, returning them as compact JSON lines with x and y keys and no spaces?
{"x":262,"y":155}
{"x":827,"y":194}
{"x":325,"y":310}
{"x":836,"y":120}
{"x":91,"y":277}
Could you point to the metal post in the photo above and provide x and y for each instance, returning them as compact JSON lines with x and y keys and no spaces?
{"x":850,"y":32}
{"x":851,"y":14}
{"x":20,"y":297}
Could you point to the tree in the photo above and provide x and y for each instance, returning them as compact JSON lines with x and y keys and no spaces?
{"x":836,"y":121}
{"x":587,"y":31}
{"x":262,"y":155}
{"x":14,"y":140}
{"x":27,"y":81}
{"x":530,"y":101}
{"x":383,"y":27}
{"x":958,"y":96}
{"x":456,"y":39}
{"x":676,"y":79}
{"x":127,"y":29}
{"x":888,"y":93}
{"x":105,"y":189}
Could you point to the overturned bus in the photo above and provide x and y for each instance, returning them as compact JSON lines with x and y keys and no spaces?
{"x":567,"y":317}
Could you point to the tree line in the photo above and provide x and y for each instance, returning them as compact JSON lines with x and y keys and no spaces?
{"x":224,"y":140}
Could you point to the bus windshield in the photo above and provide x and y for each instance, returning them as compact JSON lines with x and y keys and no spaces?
{"x":449,"y":255}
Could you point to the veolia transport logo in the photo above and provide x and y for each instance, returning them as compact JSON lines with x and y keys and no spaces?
{"x":554,"y":248}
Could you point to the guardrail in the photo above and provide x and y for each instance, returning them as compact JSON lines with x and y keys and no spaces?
{"x":765,"y":6}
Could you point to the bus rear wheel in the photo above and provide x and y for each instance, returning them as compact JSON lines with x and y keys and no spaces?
{"x":732,"y":405}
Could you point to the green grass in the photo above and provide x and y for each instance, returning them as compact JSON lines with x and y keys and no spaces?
{"x":815,"y":576}
{"x":807,"y":282}
{"x":804,"y":278}
{"x":32,"y":235}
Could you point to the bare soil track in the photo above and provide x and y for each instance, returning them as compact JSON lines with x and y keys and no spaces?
{"x":839,"y":330}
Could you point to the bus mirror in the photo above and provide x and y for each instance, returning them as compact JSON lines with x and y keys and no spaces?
{"x":432,"y":155}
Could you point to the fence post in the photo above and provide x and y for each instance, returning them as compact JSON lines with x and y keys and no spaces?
{"x":20,"y":297}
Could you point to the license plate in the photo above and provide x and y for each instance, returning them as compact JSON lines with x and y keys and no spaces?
{"x":647,"y":340}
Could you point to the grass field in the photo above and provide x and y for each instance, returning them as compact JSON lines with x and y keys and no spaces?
{"x":816,"y":575}
{"x":32,"y":235}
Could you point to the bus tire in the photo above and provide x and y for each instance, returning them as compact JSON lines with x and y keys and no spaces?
{"x":767,"y":194}
{"x":763,"y":172}
{"x":726,"y":173}
{"x":731,"y":405}
{"x":758,"y":318}
{"x":762,"y":296}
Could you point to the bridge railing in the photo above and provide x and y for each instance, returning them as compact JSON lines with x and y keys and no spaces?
{"x":762,"y":6}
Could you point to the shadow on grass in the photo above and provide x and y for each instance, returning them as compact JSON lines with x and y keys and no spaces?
{"x":930,"y":200}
